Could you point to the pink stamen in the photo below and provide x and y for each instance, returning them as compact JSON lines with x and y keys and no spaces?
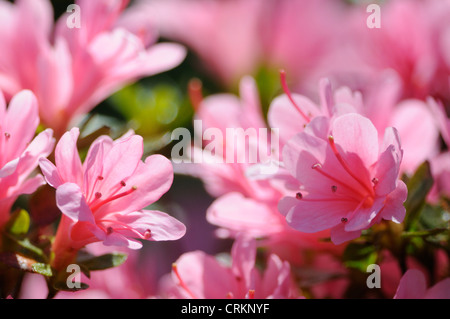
{"x":108,"y":200}
{"x":289,"y":95}
{"x":195,"y":93}
{"x":181,"y":282}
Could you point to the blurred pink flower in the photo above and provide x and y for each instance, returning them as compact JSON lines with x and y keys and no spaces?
{"x":103,"y":198}
{"x":349,"y":180}
{"x":250,"y":34}
{"x":413,"y":286}
{"x":412,"y":41}
{"x":197,"y":275}
{"x":20,"y":150}
{"x":71,"y":70}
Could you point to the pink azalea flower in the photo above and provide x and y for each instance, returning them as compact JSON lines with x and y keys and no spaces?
{"x":71,"y":70}
{"x":104,"y":198}
{"x":349,"y":180}
{"x":197,"y":275}
{"x":20,"y":150}
{"x":413,"y":286}
{"x":236,"y":190}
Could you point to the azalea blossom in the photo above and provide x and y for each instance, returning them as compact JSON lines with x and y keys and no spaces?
{"x":71,"y":70}
{"x":246,"y":203}
{"x":20,"y":150}
{"x":413,"y":285}
{"x":349,"y":179}
{"x":196,"y":275}
{"x":104,"y":198}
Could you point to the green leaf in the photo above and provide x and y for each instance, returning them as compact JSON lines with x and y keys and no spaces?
{"x":24,"y":263}
{"x":43,"y":269}
{"x":102,"y":262}
{"x":360,"y":255}
{"x":418,"y":188}
{"x":19,"y":223}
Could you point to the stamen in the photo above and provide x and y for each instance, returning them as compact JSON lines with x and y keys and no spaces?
{"x":299,"y":195}
{"x":100,"y":178}
{"x":181,"y":282}
{"x":7,"y":135}
{"x":289,"y":95}
{"x":109,"y":230}
{"x":251,"y":294}
{"x":230,"y":295}
{"x":318,"y":168}
{"x":195,"y":93}
{"x":123,"y":183}
{"x":334,"y":188}
{"x":344,"y":220}
{"x":128,"y":192}
{"x":98,"y":195}
{"x":147,"y":234}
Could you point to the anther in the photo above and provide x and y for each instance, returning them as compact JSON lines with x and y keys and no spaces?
{"x":109,"y":230}
{"x":100,"y":178}
{"x":344,"y":220}
{"x":7,"y":135}
{"x":123,"y":183}
{"x":317,"y":165}
{"x":375,"y":181}
{"x":299,"y":195}
{"x":251,"y":294}
{"x":98,"y":195}
{"x":334,"y":188}
{"x":148,"y":234}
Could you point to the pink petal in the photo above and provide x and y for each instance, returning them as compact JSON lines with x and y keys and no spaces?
{"x":356,"y":135}
{"x":236,"y":212}
{"x":314,"y":216}
{"x":50,"y":173}
{"x":70,"y":200}
{"x":340,"y":235}
{"x":412,"y":285}
{"x":152,"y":179}
{"x":20,"y":123}
{"x":67,"y":159}
{"x":441,"y":290}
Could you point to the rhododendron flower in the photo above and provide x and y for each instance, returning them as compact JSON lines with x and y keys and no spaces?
{"x":104,"y":198}
{"x":413,"y":286}
{"x":19,"y":152}
{"x":71,"y":70}
{"x":197,"y":275}
{"x":349,"y":180}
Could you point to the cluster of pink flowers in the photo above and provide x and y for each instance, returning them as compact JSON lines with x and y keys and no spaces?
{"x":344,"y":165}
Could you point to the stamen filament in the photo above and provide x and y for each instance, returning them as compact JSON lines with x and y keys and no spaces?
{"x":128,"y":192}
{"x":319,"y":169}
{"x":181,"y":282}
{"x":289,"y":95}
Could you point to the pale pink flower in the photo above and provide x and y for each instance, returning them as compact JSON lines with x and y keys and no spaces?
{"x":71,"y":70}
{"x":349,"y":180}
{"x":413,"y":118}
{"x":413,"y":285}
{"x":104,"y":198}
{"x":20,"y":150}
{"x":411,"y":40}
{"x":197,"y":275}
